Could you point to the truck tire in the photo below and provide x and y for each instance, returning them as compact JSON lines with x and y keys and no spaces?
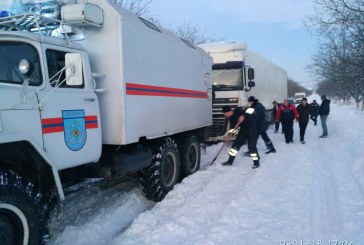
{"x":161,"y":176}
{"x":22,"y":211}
{"x":190,"y":153}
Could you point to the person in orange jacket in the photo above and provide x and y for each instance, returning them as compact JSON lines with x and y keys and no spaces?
{"x":286,"y":114}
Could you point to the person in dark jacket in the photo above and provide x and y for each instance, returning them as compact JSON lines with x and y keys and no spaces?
{"x":324,"y":112}
{"x":303,"y":110}
{"x":261,"y":123}
{"x":274,"y":115}
{"x":248,"y":132}
{"x":314,"y":111}
{"x":287,"y":113}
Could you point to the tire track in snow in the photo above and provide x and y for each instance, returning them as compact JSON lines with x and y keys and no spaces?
{"x":95,"y":215}
{"x":336,"y":198}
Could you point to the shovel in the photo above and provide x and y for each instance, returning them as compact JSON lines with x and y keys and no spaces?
{"x":226,"y":141}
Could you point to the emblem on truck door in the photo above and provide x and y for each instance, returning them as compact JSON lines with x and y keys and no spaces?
{"x":75,"y":134}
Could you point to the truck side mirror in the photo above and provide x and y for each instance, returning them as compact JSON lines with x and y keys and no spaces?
{"x":251,"y":84}
{"x":74,"y":71}
{"x":250,"y":74}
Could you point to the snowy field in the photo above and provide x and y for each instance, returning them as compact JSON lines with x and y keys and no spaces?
{"x":311,"y":194}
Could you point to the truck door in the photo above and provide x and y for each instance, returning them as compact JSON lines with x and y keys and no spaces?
{"x":18,"y":102}
{"x":69,"y":114}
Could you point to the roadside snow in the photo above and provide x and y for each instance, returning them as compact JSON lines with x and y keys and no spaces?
{"x":308,"y":193}
{"x":96,"y":215}
{"x":311,"y":192}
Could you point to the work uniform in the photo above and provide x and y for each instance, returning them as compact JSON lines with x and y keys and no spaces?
{"x":247,"y":133}
{"x":262,"y":125}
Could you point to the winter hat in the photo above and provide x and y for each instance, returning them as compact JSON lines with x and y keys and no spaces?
{"x":251,"y":99}
{"x":226,"y":108}
{"x":323,"y":97}
{"x":305,"y":99}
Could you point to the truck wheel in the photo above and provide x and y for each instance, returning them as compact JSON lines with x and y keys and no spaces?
{"x":190,"y":153}
{"x":161,"y":176}
{"x":22,"y":211}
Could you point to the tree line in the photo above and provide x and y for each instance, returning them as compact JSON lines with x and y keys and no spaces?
{"x":294,"y":87}
{"x":188,"y":31}
{"x":339,"y":60}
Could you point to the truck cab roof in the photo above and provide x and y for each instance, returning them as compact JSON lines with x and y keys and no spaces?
{"x":36,"y":37}
{"x":223,"y":47}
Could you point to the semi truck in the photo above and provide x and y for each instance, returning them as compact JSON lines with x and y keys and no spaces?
{"x":235,"y":65}
{"x":298,"y":97}
{"x":89,"y":89}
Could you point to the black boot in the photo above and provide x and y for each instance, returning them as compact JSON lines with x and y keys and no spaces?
{"x":256,"y":164}
{"x":271,"y":149}
{"x":229,"y":162}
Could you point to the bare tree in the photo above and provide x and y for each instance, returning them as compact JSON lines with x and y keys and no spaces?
{"x":194,"y":34}
{"x":294,"y":87}
{"x":139,"y":7}
{"x":339,"y":60}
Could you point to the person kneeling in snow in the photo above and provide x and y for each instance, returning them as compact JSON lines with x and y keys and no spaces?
{"x":248,"y":132}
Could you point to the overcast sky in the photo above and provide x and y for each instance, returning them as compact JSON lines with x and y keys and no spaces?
{"x":272,"y":28}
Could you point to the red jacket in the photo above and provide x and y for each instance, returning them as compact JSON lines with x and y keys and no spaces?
{"x":287,"y":113}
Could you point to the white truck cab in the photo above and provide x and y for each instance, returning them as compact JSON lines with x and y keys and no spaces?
{"x":235,"y":66}
{"x":298,"y":97}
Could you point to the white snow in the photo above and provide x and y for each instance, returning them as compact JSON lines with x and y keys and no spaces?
{"x":305,"y":193}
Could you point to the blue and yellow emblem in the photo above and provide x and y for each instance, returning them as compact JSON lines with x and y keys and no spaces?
{"x":75,"y":134}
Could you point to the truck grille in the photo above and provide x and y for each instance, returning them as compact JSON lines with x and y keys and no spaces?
{"x":219,"y":123}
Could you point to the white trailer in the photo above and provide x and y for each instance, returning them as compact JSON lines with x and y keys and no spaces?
{"x":90,"y":90}
{"x":230,"y":86}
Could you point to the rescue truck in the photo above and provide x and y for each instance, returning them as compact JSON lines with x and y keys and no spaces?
{"x":89,"y":89}
{"x":232,"y":74}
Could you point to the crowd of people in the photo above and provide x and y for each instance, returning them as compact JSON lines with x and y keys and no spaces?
{"x":251,"y":123}
{"x":286,"y":113}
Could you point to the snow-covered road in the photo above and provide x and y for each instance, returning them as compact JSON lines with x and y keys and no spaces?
{"x":305,"y":193}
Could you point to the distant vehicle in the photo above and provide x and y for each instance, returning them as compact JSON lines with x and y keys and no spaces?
{"x":232,"y":73}
{"x":291,"y":100}
{"x":299,"y":96}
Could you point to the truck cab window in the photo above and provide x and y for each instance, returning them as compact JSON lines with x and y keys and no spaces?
{"x":10,"y":55}
{"x":227,"y":79}
{"x":55,"y":63}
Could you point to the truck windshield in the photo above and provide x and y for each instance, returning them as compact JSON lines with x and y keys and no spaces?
{"x":10,"y":55}
{"x":229,"y":79}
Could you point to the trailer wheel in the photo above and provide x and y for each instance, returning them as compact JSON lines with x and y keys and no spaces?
{"x":22,"y":211}
{"x":190,"y":153}
{"x":161,"y":176}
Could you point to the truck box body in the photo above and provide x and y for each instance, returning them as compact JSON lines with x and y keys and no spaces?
{"x":154,"y":83}
{"x":270,"y":80}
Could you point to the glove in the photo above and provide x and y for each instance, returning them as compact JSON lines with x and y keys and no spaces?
{"x":236,"y":131}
